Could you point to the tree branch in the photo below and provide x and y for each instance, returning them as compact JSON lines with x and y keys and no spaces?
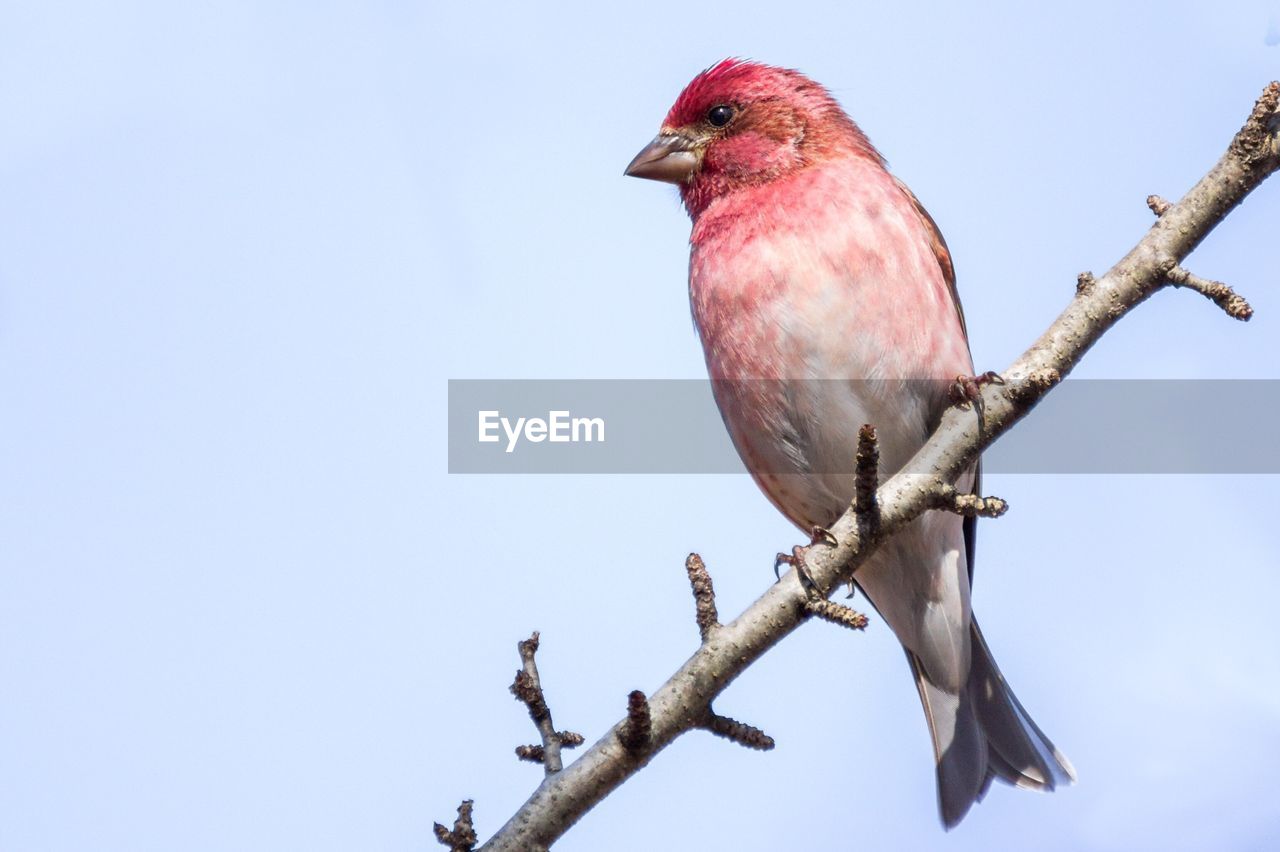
{"x":527,"y":687}
{"x":462,"y":838}
{"x":820,"y":607}
{"x":946,"y":498}
{"x":683,"y":702}
{"x":1236,"y":306}
{"x":738,"y":732}
{"x":704,"y":596}
{"x":635,"y":731}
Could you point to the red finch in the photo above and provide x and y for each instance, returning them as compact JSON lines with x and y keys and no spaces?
{"x":814,"y":269}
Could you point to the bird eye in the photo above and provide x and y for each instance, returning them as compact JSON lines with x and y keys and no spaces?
{"x":719,"y":116}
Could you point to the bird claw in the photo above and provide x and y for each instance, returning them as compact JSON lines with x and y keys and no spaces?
{"x":780,"y":560}
{"x":967,"y":390}
{"x":796,"y":560}
{"x":822,"y":535}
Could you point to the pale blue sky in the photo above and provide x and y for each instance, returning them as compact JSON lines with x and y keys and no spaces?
{"x":242,"y":604}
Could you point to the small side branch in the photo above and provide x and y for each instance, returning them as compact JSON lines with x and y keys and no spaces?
{"x":462,"y":838}
{"x":1236,"y":306}
{"x":527,"y":688}
{"x":866,"y":503}
{"x":1258,"y":142}
{"x":1158,"y":205}
{"x":947,"y":499}
{"x":867,"y":476}
{"x":634,"y":732}
{"x":835,"y":613}
{"x":538,"y":754}
{"x":704,"y":596}
{"x":738,"y":732}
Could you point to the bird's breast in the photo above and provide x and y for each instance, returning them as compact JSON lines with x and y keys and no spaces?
{"x":827,"y":274}
{"x":821,"y":306}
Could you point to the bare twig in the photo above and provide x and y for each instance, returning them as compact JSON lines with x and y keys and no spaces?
{"x":562,"y":799}
{"x":634,"y":732}
{"x":1220,"y":294}
{"x":739,"y":732}
{"x":1158,"y":205}
{"x":835,"y":613}
{"x":463,"y":836}
{"x":704,"y":595}
{"x":537,"y":754}
{"x":867,"y":473}
{"x":528,"y":689}
{"x":948,"y":499}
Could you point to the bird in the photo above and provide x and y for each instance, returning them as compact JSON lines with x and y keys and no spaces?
{"x":825,"y":297}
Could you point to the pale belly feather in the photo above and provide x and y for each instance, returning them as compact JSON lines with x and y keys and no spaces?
{"x":813,"y":332}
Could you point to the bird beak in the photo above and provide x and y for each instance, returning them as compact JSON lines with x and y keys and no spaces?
{"x":669,"y":157}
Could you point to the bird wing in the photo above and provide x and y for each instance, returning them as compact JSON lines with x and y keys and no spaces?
{"x":943,"y":254}
{"x":940,"y":251}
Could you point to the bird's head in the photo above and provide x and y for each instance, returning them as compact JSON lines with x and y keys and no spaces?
{"x":741,"y":124}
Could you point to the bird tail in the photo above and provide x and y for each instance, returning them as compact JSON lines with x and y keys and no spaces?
{"x":984,"y":733}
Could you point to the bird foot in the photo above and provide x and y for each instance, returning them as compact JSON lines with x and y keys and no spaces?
{"x":822,"y":535}
{"x":819,"y":535}
{"x":967,"y":390}
{"x":795,"y":556}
